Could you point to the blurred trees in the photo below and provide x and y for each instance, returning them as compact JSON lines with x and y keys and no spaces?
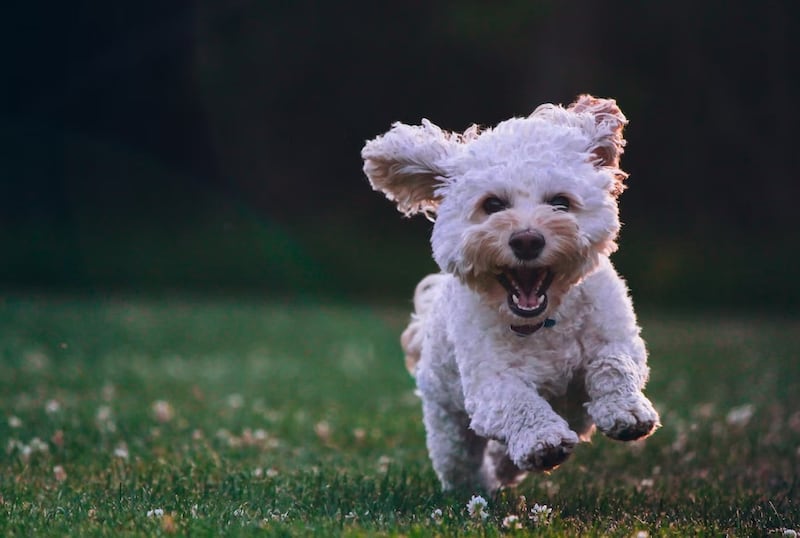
{"x":130,"y":115}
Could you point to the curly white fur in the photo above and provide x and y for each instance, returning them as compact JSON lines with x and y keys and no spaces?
{"x":503,"y":394}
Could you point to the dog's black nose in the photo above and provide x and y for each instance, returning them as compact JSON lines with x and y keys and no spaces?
{"x":526,"y":245}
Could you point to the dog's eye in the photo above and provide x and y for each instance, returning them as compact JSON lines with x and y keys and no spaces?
{"x":493,"y":204}
{"x":560,"y":202}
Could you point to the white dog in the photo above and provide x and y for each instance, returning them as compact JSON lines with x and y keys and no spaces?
{"x":527,"y":339}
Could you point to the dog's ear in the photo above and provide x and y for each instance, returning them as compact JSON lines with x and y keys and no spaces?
{"x":406,"y":165}
{"x":607,"y":141}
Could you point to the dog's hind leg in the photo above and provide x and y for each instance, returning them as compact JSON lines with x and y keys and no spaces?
{"x":455,"y":450}
{"x":413,"y":336}
{"x":498,"y":469}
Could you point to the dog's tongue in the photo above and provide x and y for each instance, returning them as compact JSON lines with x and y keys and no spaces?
{"x":528,"y":287}
{"x":528,"y":300}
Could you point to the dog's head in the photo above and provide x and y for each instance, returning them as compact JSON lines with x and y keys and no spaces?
{"x":522,"y":211}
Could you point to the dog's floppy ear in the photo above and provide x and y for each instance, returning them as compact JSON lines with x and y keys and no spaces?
{"x":406,"y":165}
{"x":607,"y":141}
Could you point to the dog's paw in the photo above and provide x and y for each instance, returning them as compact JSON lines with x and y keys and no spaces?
{"x":544,"y":449}
{"x":624,"y":417}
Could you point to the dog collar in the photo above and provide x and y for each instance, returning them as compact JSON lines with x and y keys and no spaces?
{"x":527,"y":330}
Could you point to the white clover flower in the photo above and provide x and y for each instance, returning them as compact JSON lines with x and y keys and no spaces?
{"x":52,"y":407}
{"x":436,"y":515}
{"x":276,"y":515}
{"x":104,"y":418}
{"x":157,"y":512}
{"x":646,"y":483}
{"x":59,"y":473}
{"x":163,"y":411}
{"x":790,"y":533}
{"x":642,"y":534}
{"x":235,"y":401}
{"x":195,"y":511}
{"x":476,"y":507}
{"x":38,"y":445}
{"x":512,"y":521}
{"x":740,"y":416}
{"x":103,"y":413}
{"x":540,"y":514}
{"x":121,"y":452}
{"x":323,"y":430}
{"x":14,"y":422}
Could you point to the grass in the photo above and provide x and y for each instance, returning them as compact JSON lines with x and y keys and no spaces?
{"x":205,"y":417}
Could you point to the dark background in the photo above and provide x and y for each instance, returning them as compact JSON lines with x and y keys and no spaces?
{"x":214,"y":146}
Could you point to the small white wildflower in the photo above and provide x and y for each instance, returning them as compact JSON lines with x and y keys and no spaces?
{"x":323,"y":430}
{"x":59,"y":473}
{"x":512,"y":521}
{"x":276,"y":515}
{"x":258,"y":472}
{"x":351,"y":515}
{"x":740,"y":416}
{"x":384,"y":462}
{"x":121,"y":451}
{"x":157,"y":512}
{"x":104,"y":418}
{"x":476,"y":507}
{"x":194,"y":511}
{"x":235,"y":401}
{"x":103,"y":413}
{"x":163,"y":411}
{"x":540,"y":514}
{"x":37,"y":445}
{"x":52,"y":407}
{"x":272,"y":472}
{"x":436,"y":514}
{"x":790,"y":533}
{"x":239,"y":512}
{"x":14,"y":422}
{"x":642,"y":534}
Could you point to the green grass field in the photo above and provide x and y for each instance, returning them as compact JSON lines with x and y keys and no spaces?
{"x":210,"y":417}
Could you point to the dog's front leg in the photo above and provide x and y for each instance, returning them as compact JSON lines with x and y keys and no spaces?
{"x":505,"y":408}
{"x":614,"y":383}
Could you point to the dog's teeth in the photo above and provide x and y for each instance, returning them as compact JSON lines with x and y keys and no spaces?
{"x":515,"y":298}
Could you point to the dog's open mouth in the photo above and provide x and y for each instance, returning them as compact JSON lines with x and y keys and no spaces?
{"x":527,"y":289}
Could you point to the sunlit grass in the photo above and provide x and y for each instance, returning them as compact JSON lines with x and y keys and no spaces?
{"x":208,"y":417}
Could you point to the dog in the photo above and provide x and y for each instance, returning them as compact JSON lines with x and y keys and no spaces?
{"x":527,"y":340}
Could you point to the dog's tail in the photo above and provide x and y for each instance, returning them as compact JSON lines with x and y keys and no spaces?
{"x":424,"y":296}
